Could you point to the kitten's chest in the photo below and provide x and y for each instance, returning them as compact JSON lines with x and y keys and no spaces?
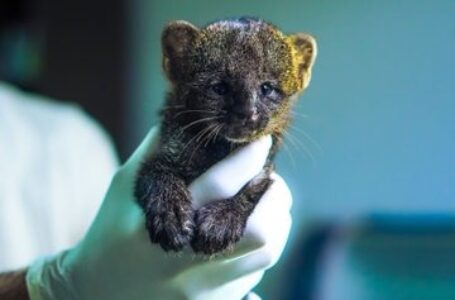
{"x":190,"y":158}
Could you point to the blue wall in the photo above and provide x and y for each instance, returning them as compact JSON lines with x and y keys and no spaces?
{"x":380,"y":108}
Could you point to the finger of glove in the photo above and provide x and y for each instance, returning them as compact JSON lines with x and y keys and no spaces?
{"x":147,"y":146}
{"x":239,"y":287}
{"x":227,"y":177}
{"x":265,"y":236}
{"x":218,"y":279}
{"x":268,"y":226}
{"x":252,"y":296}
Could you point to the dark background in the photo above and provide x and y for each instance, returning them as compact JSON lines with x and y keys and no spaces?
{"x":81,"y":48}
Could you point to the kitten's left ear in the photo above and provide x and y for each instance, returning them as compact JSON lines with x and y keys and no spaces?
{"x":305,"y":51}
{"x":176,"y":41}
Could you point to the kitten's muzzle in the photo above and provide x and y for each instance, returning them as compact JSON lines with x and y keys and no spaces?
{"x":245,"y":119}
{"x":244,"y":114}
{"x":240,"y":127}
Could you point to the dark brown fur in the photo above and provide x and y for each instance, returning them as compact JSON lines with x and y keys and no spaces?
{"x":233,"y":81}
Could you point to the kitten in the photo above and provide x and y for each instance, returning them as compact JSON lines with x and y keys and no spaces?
{"x":232,"y":82}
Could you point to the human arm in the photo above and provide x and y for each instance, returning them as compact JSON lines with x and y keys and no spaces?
{"x":13,"y":286}
{"x":55,"y":166}
{"x":115,"y":260}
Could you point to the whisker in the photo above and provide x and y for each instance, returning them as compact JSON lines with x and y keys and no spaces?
{"x":289,"y":154}
{"x":195,"y":138}
{"x":193,"y":111}
{"x":209,"y":129}
{"x":307,"y":136}
{"x":296,"y":142}
{"x":219,"y":130}
{"x":190,"y":141}
{"x":211,"y":135}
{"x":202,"y":139}
{"x":199,"y":121}
{"x":299,"y":114}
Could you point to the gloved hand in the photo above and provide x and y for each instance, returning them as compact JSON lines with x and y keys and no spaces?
{"x":116,"y":260}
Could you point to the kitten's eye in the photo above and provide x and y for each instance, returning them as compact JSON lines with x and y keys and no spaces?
{"x":220,"y":88}
{"x":267,"y":89}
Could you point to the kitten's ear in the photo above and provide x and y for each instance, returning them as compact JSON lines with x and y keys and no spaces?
{"x":177,"y":38}
{"x":306,"y":51}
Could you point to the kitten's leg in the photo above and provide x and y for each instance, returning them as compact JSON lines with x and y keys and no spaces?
{"x":166,"y":202}
{"x":221,"y":223}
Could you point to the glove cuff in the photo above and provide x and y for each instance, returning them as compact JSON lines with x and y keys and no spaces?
{"x":46,"y":279}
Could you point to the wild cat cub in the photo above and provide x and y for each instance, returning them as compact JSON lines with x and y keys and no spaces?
{"x":232,"y":82}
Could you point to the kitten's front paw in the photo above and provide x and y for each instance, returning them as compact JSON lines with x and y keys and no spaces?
{"x":170,"y":224}
{"x":218,"y":227}
{"x":220,"y":224}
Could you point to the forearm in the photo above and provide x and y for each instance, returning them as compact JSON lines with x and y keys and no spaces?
{"x":13,"y":286}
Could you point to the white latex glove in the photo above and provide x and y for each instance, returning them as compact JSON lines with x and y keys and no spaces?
{"x":116,"y":260}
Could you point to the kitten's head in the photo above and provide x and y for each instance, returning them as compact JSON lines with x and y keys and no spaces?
{"x":240,"y":74}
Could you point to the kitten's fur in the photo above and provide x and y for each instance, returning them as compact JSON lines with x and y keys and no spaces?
{"x":232,"y":82}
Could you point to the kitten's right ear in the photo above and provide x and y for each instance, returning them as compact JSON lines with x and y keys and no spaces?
{"x":305,"y":53}
{"x":176,"y":40}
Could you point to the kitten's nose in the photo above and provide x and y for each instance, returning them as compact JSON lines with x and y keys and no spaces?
{"x":245,"y":111}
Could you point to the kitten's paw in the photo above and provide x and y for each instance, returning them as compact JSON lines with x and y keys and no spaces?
{"x":218,"y":227}
{"x":170,"y":224}
{"x":220,"y":224}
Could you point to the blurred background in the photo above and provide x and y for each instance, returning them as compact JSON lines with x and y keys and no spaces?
{"x":371,"y":163}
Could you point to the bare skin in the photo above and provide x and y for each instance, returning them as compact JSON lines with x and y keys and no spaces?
{"x":13,"y":286}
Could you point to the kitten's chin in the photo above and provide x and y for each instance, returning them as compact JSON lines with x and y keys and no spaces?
{"x":241,"y":135}
{"x":237,"y":140}
{"x":242,"y":139}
